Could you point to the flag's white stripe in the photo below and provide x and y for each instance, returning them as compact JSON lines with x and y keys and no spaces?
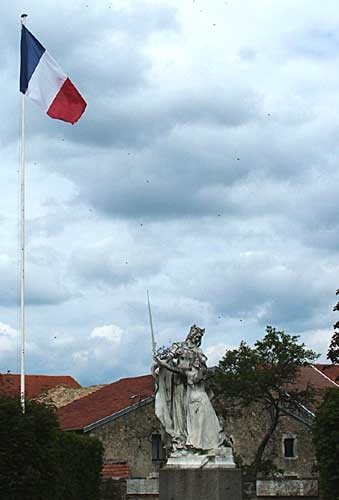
{"x":46,"y":81}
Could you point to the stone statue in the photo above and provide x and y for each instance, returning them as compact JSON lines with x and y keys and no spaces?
{"x":182,"y":404}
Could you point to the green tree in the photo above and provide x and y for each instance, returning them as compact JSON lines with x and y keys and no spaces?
{"x":326,"y":442}
{"x":333,"y":350}
{"x":28,"y":468}
{"x":38,"y":461}
{"x":81,"y":463}
{"x":264,"y":375}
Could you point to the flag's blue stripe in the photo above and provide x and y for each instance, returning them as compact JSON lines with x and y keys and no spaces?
{"x":31,"y":52}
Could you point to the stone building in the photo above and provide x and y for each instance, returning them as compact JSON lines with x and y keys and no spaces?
{"x":122,"y":416}
{"x":290,"y":448}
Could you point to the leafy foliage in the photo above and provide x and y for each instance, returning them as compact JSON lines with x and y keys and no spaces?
{"x":265,"y":375}
{"x":81,"y":462}
{"x":333,"y":350}
{"x":326,"y":441}
{"x":38,"y":461}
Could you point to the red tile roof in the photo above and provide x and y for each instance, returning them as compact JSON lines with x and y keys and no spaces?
{"x":311,"y":375}
{"x":35,"y":385}
{"x":105,"y":402}
{"x":116,"y":471}
{"x":331,"y":371}
{"x":125,"y":393}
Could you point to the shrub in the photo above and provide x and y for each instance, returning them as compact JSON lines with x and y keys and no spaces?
{"x":81,"y":464}
{"x":38,"y":461}
{"x":326,"y":441}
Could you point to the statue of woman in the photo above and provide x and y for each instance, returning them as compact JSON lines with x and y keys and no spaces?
{"x":181,"y":402}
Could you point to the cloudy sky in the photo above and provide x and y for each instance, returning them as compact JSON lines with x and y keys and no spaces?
{"x":204,"y":169}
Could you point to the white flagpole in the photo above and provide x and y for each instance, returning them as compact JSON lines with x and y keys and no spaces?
{"x":22,"y":250}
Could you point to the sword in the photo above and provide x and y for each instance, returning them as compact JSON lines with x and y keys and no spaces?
{"x":154,"y":345}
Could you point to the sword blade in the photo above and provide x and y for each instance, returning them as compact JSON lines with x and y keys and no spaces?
{"x":154,"y":345}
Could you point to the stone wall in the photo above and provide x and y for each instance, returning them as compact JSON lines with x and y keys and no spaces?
{"x":129,"y":438}
{"x":281,"y":489}
{"x":143,"y":489}
{"x":247,"y":429}
{"x":129,"y":489}
{"x":304,"y":464}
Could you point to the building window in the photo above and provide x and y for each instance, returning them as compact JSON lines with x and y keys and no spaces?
{"x":289,"y":447}
{"x":157,"y":448}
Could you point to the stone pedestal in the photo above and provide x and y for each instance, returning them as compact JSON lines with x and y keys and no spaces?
{"x":200,"y":484}
{"x":219,"y":459}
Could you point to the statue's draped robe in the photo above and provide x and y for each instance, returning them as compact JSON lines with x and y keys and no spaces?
{"x":182,"y":404}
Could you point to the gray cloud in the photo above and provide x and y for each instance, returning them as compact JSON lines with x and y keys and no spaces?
{"x":45,"y":283}
{"x":204,"y":169}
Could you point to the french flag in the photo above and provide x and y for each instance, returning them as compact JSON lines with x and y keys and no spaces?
{"x":43,"y":81}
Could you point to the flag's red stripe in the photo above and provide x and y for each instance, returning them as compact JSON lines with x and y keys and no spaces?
{"x":68,"y":105}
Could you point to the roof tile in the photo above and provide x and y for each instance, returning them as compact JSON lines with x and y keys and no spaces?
{"x":124,"y":393}
{"x":115,"y":470}
{"x":311,"y":375}
{"x":331,"y":371}
{"x":107,"y":401}
{"x":35,"y":385}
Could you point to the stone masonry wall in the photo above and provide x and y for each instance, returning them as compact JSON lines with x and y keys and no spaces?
{"x":281,"y":489}
{"x":129,"y":438}
{"x":248,"y":427}
{"x":304,"y":465}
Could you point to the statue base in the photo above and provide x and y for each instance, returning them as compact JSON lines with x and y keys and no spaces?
{"x":200,"y":484}
{"x":218,"y":459}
